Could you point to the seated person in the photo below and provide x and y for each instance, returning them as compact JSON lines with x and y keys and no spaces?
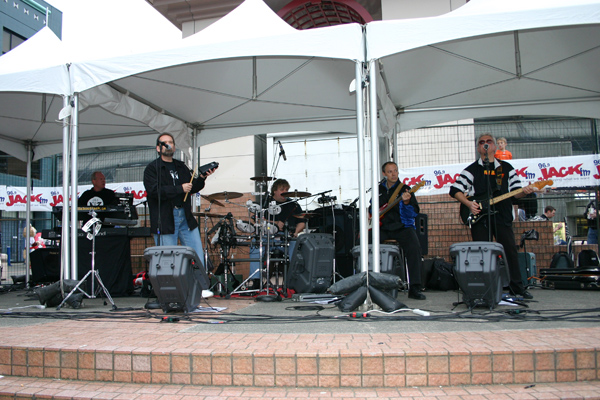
{"x":98,"y":195}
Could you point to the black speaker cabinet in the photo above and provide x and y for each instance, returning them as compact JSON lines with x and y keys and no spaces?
{"x":421,"y":225}
{"x":346,"y":233}
{"x":45,"y":265}
{"x":481,"y":272}
{"x":177,"y":276}
{"x":311,"y":268}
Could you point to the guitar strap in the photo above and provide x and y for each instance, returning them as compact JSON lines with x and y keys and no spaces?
{"x":395,"y":193}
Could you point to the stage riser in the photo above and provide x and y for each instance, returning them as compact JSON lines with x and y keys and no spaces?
{"x":304,"y":369}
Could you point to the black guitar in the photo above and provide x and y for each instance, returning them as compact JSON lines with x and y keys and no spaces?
{"x":470,"y":219}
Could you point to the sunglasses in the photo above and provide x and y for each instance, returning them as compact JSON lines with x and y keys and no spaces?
{"x":489,"y":141}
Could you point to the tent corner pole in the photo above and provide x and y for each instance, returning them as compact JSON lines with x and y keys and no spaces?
{"x":65,"y":242}
{"x":374,"y":165}
{"x":362,"y":196}
{"x":71,"y":201}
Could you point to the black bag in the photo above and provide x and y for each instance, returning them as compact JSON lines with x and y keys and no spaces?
{"x":587,"y":258}
{"x":562,"y":260}
{"x":442,"y":276}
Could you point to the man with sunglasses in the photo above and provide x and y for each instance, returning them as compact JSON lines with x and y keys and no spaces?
{"x":487,"y":178}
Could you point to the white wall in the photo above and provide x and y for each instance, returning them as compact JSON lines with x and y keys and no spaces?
{"x":236,"y":158}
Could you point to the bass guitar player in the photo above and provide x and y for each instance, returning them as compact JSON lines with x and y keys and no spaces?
{"x":487,"y":178}
{"x":397,"y":223}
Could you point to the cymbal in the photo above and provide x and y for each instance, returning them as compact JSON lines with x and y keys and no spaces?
{"x":295,"y":193}
{"x":212,"y":200}
{"x":224,"y":195}
{"x":262,"y":178}
{"x":306,"y":215}
{"x":211,"y":215}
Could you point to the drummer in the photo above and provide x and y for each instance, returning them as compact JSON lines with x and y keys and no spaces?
{"x":289,"y":209}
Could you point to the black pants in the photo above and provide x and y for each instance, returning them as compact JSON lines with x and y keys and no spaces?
{"x":409,"y":242}
{"x":506,"y":237}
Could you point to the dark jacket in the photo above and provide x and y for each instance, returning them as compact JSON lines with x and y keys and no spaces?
{"x":170,"y":195}
{"x":392,"y":221}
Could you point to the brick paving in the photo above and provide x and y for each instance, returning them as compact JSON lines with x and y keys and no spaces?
{"x":39,"y":388}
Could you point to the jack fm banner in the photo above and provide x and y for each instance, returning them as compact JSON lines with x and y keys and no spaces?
{"x":566,"y":173}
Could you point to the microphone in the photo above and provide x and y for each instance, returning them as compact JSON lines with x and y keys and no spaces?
{"x":168,"y":146}
{"x":486,"y":146}
{"x":282,"y":152}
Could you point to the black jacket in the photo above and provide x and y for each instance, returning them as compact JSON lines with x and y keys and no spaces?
{"x":392,"y":221}
{"x":170,"y":194}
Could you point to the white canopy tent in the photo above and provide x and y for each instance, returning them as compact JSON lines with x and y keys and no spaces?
{"x":35,"y":84}
{"x":487,"y":58}
{"x":250,"y":73}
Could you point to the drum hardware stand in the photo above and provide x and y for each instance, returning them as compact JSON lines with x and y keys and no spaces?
{"x":92,"y":227}
{"x":273,"y":210}
{"x":227,"y":241}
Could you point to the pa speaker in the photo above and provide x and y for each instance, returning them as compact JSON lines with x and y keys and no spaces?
{"x":45,"y":265}
{"x":421,"y":226}
{"x":481,"y":272}
{"x":177,"y":276}
{"x":311,"y":268}
{"x":345,"y":224}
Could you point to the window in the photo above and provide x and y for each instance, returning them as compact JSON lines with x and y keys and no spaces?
{"x":10,"y":40}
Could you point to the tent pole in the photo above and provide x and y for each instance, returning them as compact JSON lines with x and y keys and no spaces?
{"x":65,"y":242}
{"x":395,"y":145}
{"x":362,"y":196}
{"x":195,"y":163}
{"x":374,"y":165}
{"x":28,"y":213}
{"x":71,"y":201}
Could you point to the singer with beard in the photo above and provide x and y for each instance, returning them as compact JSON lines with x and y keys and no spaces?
{"x":167,"y":181}
{"x":489,"y":177}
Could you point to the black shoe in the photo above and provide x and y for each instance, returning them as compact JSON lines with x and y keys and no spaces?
{"x":415,"y":294}
{"x":526,"y":295}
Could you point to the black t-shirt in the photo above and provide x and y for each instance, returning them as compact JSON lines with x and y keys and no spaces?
{"x":92,"y":198}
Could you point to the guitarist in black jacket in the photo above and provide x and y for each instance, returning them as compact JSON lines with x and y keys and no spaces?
{"x":402,"y":227}
{"x":484,"y":179}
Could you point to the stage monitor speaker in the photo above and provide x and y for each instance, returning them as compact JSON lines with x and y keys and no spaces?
{"x":45,"y":265}
{"x":481,"y":272}
{"x":311,"y":269}
{"x":421,"y":225}
{"x":177,"y":276}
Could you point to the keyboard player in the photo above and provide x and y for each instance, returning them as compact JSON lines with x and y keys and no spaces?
{"x":98,"y":195}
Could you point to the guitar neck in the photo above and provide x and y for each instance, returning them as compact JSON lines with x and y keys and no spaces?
{"x":505,"y":196}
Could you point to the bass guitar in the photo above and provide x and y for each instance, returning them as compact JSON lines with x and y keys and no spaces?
{"x":470,"y":219}
{"x":388,"y":206}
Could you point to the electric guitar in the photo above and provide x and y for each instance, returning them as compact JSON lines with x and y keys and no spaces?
{"x":388,"y":206}
{"x":470,"y":219}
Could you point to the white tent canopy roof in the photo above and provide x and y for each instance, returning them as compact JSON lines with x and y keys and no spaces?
{"x":33,"y":74}
{"x":489,"y":58}
{"x":249,"y":73}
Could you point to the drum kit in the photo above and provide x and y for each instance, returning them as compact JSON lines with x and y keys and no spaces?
{"x":270,"y":241}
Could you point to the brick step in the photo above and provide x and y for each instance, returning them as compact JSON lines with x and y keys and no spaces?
{"x":42,"y":388}
{"x":325,"y":368}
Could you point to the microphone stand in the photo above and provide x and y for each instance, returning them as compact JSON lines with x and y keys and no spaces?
{"x":487,"y":166}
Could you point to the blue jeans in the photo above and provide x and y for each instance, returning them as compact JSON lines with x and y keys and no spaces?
{"x":592,"y":236}
{"x":190,"y":238}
